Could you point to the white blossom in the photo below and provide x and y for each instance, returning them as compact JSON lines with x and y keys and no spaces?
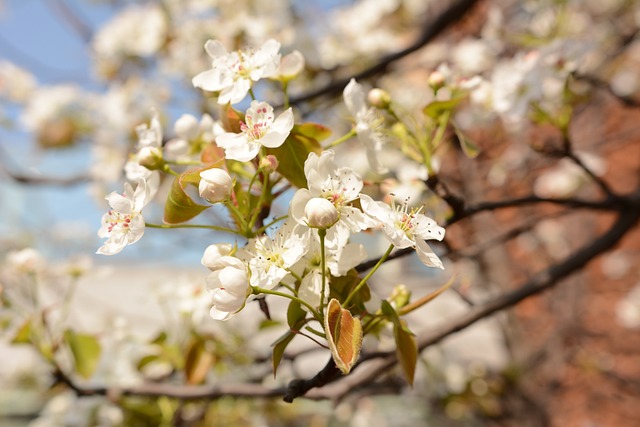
{"x":232,"y":74}
{"x":124,"y":224}
{"x":369,"y":124}
{"x":228,"y":287}
{"x":260,"y":129}
{"x":406,"y":228}
{"x":341,"y":187}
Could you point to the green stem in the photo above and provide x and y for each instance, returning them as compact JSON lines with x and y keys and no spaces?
{"x":275,"y":220}
{"x":210,"y":227}
{"x":170,"y":171}
{"x":285,"y":87}
{"x":253,"y":97}
{"x":236,"y":213}
{"x":342,"y":139}
{"x":256,"y":214}
{"x":355,"y":290}
{"x":322,"y":233}
{"x":256,"y":290}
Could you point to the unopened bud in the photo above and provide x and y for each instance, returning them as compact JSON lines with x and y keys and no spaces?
{"x":379,"y":98}
{"x":215,"y":185}
{"x":400,"y":296}
{"x":436,"y":80}
{"x":269,"y":163}
{"x":187,"y":127}
{"x":321,"y":213}
{"x":151,"y":158}
{"x":291,"y":66}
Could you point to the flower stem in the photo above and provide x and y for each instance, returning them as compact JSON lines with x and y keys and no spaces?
{"x":170,"y":171}
{"x":368,"y":276}
{"x":256,"y":214}
{"x":238,"y":215}
{"x":342,"y":139}
{"x":253,"y":97}
{"x":285,"y":91}
{"x":256,"y":290}
{"x":322,"y":233}
{"x":264,"y":227}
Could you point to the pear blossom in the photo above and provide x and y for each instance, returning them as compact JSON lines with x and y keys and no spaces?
{"x":232,"y":74}
{"x":214,"y":253}
{"x":215,"y":185}
{"x":229,"y":287}
{"x":340,"y":186}
{"x":260,"y":129}
{"x":406,"y":228}
{"x":124,"y":224}
{"x":271,"y":258}
{"x":369,"y":123}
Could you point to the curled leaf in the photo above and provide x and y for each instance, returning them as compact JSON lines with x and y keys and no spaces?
{"x":344,"y":334}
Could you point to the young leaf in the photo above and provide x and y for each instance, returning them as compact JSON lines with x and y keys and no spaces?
{"x":231,"y":119}
{"x":406,"y":349}
{"x":295,"y":313}
{"x":435,"y":108}
{"x":281,"y":344}
{"x":86,"y":352}
{"x":293,"y":153}
{"x":468,"y":148}
{"x":198,"y":362}
{"x":344,"y":334}
{"x":179,"y":207}
{"x":23,"y":334}
{"x":314,"y":131}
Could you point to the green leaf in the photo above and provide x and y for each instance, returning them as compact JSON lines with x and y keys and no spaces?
{"x":280,"y":345}
{"x":86,"y":352}
{"x":406,"y":346}
{"x":198,"y":362}
{"x":468,"y":148}
{"x":344,"y":334}
{"x":314,"y":131}
{"x":179,"y":207}
{"x":23,"y":334}
{"x":231,"y":119}
{"x":435,"y":108}
{"x":295,"y":313}
{"x":293,"y":153}
{"x":406,"y":349}
{"x":342,"y":286}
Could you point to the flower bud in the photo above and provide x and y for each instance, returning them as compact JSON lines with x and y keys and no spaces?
{"x":187,"y":127}
{"x":151,"y":158}
{"x":320,"y":213}
{"x":379,"y":98}
{"x":436,"y":80}
{"x":269,"y":164}
{"x":215,"y":185}
{"x":400,"y":296}
{"x":291,"y":66}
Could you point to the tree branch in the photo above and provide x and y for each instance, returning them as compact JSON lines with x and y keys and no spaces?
{"x":456,"y":10}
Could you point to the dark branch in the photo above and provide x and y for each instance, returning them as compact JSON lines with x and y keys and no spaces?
{"x":456,"y":10}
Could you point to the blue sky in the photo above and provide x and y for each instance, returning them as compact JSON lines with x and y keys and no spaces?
{"x":36,"y":36}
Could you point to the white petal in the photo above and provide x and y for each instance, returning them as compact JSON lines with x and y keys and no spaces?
{"x":284,"y":122}
{"x":354,"y":97}
{"x":298,"y":203}
{"x":273,"y":139}
{"x":426,"y":255}
{"x":119,"y":203}
{"x":211,"y":80}
{"x":215,"y":49}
